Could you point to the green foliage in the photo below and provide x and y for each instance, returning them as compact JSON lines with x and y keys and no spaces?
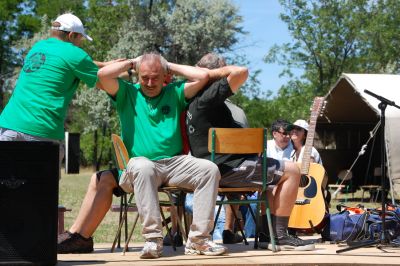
{"x":105,"y":18}
{"x":53,"y":8}
{"x":182,"y":31}
{"x":15,"y":22}
{"x":332,"y":37}
{"x":96,"y":119}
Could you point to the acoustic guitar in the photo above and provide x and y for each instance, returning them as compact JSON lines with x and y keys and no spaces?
{"x":309,"y":208}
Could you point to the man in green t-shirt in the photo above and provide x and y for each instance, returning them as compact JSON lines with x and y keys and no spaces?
{"x":149,"y":116}
{"x":47,"y":82}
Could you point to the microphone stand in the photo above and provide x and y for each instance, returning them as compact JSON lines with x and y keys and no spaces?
{"x":384,"y":237}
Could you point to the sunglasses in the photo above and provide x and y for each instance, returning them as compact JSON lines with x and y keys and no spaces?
{"x":284,"y":133}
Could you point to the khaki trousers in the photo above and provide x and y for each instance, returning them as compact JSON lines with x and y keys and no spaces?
{"x":144,"y":177}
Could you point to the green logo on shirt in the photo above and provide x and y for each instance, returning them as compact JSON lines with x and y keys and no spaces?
{"x":165,"y":109}
{"x":34,"y":62}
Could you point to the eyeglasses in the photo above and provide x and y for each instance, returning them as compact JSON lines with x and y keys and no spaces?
{"x":283,"y":133}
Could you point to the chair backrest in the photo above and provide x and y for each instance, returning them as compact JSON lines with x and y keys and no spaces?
{"x":237,"y":140}
{"x":120,"y":151}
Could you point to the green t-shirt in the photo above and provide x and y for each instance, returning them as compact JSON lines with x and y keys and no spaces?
{"x":150,"y":126}
{"x":45,"y":87}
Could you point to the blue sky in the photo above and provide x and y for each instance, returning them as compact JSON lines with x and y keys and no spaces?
{"x":261,"y":21}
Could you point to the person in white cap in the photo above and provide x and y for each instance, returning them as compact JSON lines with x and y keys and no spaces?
{"x":298,"y":137}
{"x":46,"y":84}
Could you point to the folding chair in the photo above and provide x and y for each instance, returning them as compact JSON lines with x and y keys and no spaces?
{"x":243,"y":141}
{"x":122,"y":158}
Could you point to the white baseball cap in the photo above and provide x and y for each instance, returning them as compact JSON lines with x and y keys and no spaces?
{"x":301,"y":123}
{"x":71,"y":23}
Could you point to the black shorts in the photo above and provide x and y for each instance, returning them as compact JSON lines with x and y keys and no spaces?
{"x":118,"y":192}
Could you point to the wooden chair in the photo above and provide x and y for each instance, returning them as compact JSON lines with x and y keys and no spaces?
{"x":122,"y":159}
{"x":243,"y":141}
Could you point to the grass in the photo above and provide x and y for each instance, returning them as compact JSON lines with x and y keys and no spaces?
{"x":73,"y":188}
{"x":72,"y":191}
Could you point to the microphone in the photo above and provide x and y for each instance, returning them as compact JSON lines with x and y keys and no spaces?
{"x":380,"y":98}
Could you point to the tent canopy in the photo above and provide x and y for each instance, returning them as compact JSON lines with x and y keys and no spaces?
{"x":348,"y":103}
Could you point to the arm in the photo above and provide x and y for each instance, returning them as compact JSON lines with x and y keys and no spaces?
{"x":108,"y":75}
{"x":196,"y":78}
{"x":102,"y":64}
{"x":236,"y":75}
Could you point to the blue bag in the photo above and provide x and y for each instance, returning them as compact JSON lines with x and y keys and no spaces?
{"x":344,"y":226}
{"x":392,"y":225}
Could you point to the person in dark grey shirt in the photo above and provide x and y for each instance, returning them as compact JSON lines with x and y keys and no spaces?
{"x":207,"y":109}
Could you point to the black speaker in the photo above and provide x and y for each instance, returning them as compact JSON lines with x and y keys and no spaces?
{"x":29,"y":174}
{"x":72,"y":152}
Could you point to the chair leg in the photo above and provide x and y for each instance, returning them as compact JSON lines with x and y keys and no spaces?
{"x":130,"y":234}
{"x":175,"y":212}
{"x":217,"y":215}
{"x":257,"y":221}
{"x":185,"y":215}
{"x":123,"y":220}
{"x":126,"y":220}
{"x":167,"y":227}
{"x":121,"y":206}
{"x":271,"y":231}
{"x":117,"y":236}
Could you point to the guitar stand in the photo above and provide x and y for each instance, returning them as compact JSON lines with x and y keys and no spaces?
{"x":384,"y":235}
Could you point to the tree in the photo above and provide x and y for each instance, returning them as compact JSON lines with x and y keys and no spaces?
{"x":181,"y":30}
{"x":332,"y":37}
{"x":94,"y":115}
{"x":91,"y":111}
{"x":15,"y":22}
{"x":53,"y":8}
{"x":169,"y":27}
{"x":326,"y":35}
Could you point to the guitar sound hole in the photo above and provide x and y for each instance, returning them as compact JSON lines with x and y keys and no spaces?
{"x":304,"y":181}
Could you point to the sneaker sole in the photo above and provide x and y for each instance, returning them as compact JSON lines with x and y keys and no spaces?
{"x":150,"y":255}
{"x":264,"y":245}
{"x":189,"y":251}
{"x":75,"y":252}
{"x":308,"y":247}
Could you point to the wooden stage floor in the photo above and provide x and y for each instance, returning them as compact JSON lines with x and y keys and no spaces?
{"x":239,"y":254}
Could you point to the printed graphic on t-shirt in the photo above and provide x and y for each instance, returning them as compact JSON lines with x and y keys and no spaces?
{"x":34,"y":62}
{"x":165,"y":109}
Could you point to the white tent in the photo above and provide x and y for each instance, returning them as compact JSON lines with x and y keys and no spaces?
{"x":348,"y":103}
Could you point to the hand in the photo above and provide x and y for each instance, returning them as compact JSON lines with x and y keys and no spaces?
{"x":134,"y":61}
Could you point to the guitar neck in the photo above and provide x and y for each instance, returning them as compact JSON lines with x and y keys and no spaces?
{"x":306,"y":160}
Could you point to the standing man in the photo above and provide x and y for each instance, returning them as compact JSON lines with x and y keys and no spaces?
{"x":149,"y":116}
{"x":48,"y":80}
{"x":208,"y":110}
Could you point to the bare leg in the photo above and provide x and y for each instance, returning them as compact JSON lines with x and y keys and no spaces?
{"x":229,"y":217}
{"x":286,"y":190}
{"x":95,"y":205}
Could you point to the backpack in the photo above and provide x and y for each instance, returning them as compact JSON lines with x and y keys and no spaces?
{"x":357,"y":224}
{"x":347,"y":226}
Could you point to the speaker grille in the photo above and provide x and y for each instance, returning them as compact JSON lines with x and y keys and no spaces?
{"x":29,"y":202}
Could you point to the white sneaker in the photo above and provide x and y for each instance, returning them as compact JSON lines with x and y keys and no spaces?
{"x":152,"y":249}
{"x":204,"y":247}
